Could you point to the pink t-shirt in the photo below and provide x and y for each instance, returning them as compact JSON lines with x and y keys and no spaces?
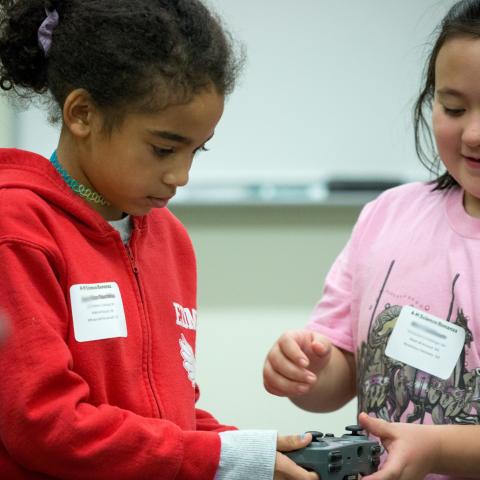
{"x":415,"y":247}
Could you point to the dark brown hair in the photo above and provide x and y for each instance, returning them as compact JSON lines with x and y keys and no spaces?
{"x":462,"y":20}
{"x":123,"y":52}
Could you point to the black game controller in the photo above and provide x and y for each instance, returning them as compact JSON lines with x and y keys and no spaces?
{"x":342,"y":458}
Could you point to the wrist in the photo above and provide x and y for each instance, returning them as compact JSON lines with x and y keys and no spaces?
{"x":436,"y":454}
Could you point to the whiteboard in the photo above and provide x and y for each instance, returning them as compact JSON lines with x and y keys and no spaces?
{"x":327,"y":91}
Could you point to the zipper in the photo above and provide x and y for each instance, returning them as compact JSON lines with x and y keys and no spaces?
{"x":135,"y":269}
{"x":133,"y":263}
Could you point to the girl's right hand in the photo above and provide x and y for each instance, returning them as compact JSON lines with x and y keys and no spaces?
{"x":286,"y":469}
{"x":292,"y":365}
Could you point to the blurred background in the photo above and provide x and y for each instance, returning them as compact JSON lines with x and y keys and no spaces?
{"x":320,"y":123}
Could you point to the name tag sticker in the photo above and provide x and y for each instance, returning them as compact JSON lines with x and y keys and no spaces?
{"x":426,"y":342}
{"x":97,"y":311}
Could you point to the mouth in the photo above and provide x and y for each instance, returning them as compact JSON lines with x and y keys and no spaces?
{"x":474,"y":157}
{"x":158,"y":202}
{"x":474,"y":161}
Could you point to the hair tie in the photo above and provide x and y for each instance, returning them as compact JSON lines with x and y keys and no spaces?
{"x":45,"y":32}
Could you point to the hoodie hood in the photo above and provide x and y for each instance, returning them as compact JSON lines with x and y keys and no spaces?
{"x":34,"y":174}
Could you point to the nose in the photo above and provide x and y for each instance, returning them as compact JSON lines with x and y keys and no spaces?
{"x":178,"y":174}
{"x":176,"y":179}
{"x":471,"y":132}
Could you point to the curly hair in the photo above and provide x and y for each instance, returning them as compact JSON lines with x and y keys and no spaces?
{"x":127,"y":54}
{"x":462,"y":20}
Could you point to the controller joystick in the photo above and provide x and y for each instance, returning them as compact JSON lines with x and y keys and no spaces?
{"x":354,"y":429}
{"x":339,"y":458}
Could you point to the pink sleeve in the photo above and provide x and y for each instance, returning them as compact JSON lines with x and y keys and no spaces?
{"x":332,"y":315}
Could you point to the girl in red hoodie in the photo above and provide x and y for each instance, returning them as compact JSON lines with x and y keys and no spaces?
{"x":97,"y":276}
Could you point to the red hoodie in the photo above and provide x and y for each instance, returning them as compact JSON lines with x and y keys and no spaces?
{"x":115,"y":408}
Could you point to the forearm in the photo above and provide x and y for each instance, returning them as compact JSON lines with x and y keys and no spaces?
{"x":335,"y":384}
{"x":458,"y":450}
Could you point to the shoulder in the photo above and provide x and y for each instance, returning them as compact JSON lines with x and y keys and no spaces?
{"x":163,"y":224}
{"x":21,"y":205}
{"x":27,"y":219}
{"x":26,"y":185}
{"x":408,"y":192}
{"x":407,"y":199}
{"x":164,"y":219}
{"x":401,"y":208}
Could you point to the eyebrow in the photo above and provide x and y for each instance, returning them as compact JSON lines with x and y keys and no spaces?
{"x":450,"y":91}
{"x":175,"y":137}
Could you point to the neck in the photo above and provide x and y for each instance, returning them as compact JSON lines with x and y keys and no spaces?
{"x":71,"y":153}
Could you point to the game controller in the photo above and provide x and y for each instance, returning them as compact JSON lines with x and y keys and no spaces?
{"x":342,"y":458}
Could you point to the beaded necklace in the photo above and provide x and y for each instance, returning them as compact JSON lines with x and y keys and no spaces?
{"x":78,"y":188}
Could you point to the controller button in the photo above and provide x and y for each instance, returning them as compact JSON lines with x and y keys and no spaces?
{"x":376,"y":450}
{"x":329,"y":435}
{"x":375,"y":461}
{"x":316,"y":436}
{"x":334,"y":468}
{"x":335,"y":456}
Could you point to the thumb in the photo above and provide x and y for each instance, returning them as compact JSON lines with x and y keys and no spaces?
{"x":375,"y":426}
{"x":321,"y":348}
{"x":287,"y":443}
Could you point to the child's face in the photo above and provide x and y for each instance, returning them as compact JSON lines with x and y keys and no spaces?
{"x":456,"y":115}
{"x":142,"y":163}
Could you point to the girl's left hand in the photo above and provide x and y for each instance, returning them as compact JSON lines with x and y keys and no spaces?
{"x":411,"y":449}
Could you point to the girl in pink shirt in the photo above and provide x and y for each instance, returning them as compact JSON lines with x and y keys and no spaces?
{"x":398,"y":323}
{"x":98,"y":277}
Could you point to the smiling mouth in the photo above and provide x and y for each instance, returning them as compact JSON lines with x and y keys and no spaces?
{"x":471,"y":159}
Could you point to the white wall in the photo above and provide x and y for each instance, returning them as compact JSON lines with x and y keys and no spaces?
{"x":261,"y":270}
{"x":327,"y":91}
{"x":6,"y":124}
{"x":232,"y":345}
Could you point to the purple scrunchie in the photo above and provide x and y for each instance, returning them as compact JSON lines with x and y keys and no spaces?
{"x":45,"y":32}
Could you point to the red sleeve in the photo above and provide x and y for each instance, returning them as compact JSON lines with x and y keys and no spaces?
{"x":47,"y":424}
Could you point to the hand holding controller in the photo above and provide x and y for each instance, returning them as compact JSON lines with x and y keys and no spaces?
{"x":339,"y":458}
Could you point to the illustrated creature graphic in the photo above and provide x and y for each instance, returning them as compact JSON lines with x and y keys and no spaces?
{"x":393,"y":390}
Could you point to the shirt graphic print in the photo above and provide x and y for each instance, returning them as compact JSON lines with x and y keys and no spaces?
{"x":397,"y":392}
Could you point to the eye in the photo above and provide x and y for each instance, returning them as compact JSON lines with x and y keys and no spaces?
{"x":162,"y":152}
{"x":203,"y":148}
{"x":453,"y":112}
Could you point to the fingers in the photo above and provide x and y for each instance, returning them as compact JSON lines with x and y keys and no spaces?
{"x":305,"y":348}
{"x":283,"y":377}
{"x":286,"y":469}
{"x":289,"y":364}
{"x":292,"y":345}
{"x":287,"y":443}
{"x":391,"y":470}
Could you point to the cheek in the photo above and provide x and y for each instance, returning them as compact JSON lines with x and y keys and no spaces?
{"x":446,"y":133}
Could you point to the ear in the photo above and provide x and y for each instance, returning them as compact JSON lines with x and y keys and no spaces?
{"x":79,"y":113}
